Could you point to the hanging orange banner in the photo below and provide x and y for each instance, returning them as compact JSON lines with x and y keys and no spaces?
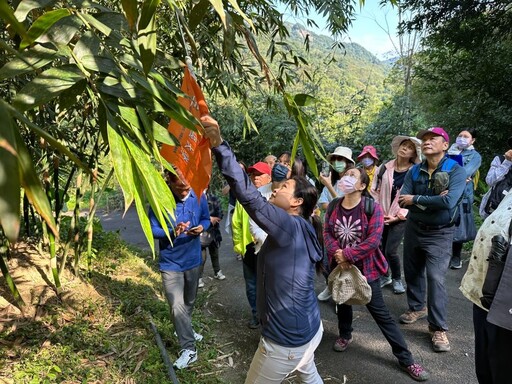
{"x":193,"y":156}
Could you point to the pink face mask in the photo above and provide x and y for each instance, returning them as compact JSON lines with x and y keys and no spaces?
{"x":347,"y":184}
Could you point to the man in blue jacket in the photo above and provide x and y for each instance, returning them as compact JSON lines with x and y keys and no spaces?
{"x":431,"y":191}
{"x":180,"y":261}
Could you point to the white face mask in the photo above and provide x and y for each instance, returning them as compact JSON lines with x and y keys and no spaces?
{"x":347,"y":184}
{"x":367,"y":161}
{"x":462,"y":142}
{"x":339,"y":165}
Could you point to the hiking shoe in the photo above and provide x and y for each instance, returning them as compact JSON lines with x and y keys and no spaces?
{"x":219,"y":276}
{"x":197,"y":336}
{"x":200,"y":284}
{"x":341,"y":344}
{"x":440,"y":341}
{"x":455,"y":263}
{"x":385,"y":280}
{"x":254,"y":323}
{"x":186,"y":358}
{"x":324,"y":295}
{"x":398,"y":287}
{"x":416,"y":371}
{"x":410,"y":316}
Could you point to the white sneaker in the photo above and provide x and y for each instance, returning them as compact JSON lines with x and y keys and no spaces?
{"x":219,"y":276}
{"x":198,"y":336}
{"x":186,"y":358}
{"x":324,"y":295}
{"x":200,"y":284}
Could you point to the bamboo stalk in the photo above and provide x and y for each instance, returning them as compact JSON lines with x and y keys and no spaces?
{"x":53,"y":262}
{"x":4,"y":251}
{"x":73,"y":223}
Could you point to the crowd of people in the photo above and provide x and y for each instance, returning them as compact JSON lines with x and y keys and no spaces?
{"x":287,"y":233}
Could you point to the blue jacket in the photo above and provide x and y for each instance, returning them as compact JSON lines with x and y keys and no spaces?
{"x":185,"y":251}
{"x":471,"y":161}
{"x":429,"y":208}
{"x":286,"y":299}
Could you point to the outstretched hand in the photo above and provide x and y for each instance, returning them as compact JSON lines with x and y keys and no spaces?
{"x":211,"y":130}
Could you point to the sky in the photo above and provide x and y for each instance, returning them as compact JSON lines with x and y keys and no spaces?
{"x":368,"y":29}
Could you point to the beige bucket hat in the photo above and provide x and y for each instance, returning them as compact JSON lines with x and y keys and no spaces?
{"x":397,"y":140}
{"x":345,"y":152}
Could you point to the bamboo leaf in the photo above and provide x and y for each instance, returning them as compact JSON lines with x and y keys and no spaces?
{"x":42,"y":24}
{"x":101,"y":64}
{"x":122,"y":164}
{"x":147,"y":45}
{"x":229,"y":41}
{"x":197,"y":14}
{"x":88,"y":45}
{"x":174,"y":109}
{"x":49,"y":138}
{"x":68,"y":98}
{"x":156,"y":190}
{"x":47,"y":86}
{"x":7,"y":14}
{"x":9,"y":178}
{"x":32,"y":185}
{"x":219,"y":8}
{"x":27,"y":61}
{"x":107,"y":31}
{"x":143,"y":214}
{"x":303,"y":100}
{"x":147,"y":13}
{"x":118,"y":88}
{"x":235,"y":5}
{"x":161,"y":134}
{"x":26,"y":6}
{"x":131,"y":12}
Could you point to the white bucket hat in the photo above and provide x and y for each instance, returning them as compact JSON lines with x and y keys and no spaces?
{"x":343,"y":152}
{"x":397,"y":140}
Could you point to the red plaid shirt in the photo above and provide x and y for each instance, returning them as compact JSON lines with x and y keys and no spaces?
{"x":359,"y":238}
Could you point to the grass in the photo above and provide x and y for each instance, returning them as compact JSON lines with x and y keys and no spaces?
{"x":100,"y":332}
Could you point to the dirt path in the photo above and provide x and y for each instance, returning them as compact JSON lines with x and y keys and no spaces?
{"x":368,"y":359}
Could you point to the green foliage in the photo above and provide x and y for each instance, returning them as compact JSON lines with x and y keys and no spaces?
{"x":464,"y":78}
{"x":102,"y":333}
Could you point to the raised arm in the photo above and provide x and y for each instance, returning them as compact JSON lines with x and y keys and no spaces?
{"x":275,"y":221}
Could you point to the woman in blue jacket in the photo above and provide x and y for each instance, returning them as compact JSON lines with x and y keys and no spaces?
{"x":471,"y":161}
{"x":289,"y":315}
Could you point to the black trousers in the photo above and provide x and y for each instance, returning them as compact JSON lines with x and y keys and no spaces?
{"x":493,"y":348}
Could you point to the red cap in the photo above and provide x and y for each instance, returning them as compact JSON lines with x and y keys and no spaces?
{"x":436,"y":131}
{"x":260,"y":167}
{"x":369,"y":149}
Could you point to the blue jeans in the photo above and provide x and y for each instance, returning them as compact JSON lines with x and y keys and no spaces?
{"x":388,"y":327}
{"x":428,"y":252}
{"x":180,"y":290}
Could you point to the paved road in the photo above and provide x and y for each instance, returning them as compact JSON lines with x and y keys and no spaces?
{"x":367,"y":360}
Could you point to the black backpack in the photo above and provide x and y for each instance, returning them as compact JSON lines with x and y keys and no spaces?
{"x":369,"y":206}
{"x":497,"y":190}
